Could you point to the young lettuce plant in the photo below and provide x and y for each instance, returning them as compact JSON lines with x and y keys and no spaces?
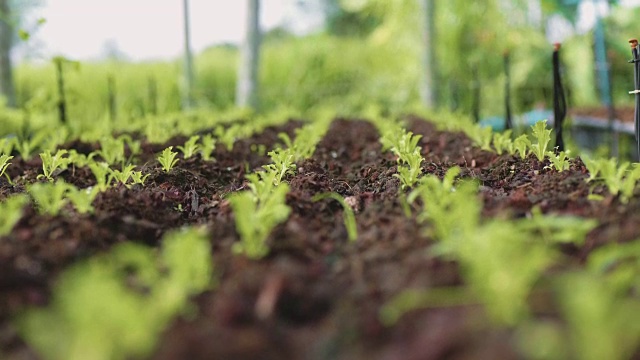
{"x":502,"y":142}
{"x":207,"y":146}
{"x":543,"y":135}
{"x":190,"y":147}
{"x":168,"y":159}
{"x":255,"y":220}
{"x":4,"y":163}
{"x":102,"y":173}
{"x":112,"y":149}
{"x":82,"y":199}
{"x":522,"y":144}
{"x":51,"y":163}
{"x":409,"y":173}
{"x":50,"y":198}
{"x":116,"y":306}
{"x":347,"y":213}
{"x":481,"y":136}
{"x":11,"y":210}
{"x":560,"y":162}
{"x":282,"y":164}
{"x":593,"y":309}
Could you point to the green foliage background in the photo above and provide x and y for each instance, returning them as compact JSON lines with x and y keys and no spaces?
{"x":369,"y":53}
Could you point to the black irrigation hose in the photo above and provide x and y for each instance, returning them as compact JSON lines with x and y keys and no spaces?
{"x":636,"y":91}
{"x":559,"y":101}
{"x":508,"y":122}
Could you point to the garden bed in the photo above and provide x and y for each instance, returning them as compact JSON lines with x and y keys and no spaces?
{"x":316,"y":295}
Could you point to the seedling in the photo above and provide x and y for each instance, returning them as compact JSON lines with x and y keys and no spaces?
{"x":256,"y":220}
{"x":522,"y":144}
{"x":111,"y":150}
{"x":481,"y":136}
{"x":409,"y":174}
{"x":6,"y":145}
{"x":51,"y":163}
{"x":138,"y":178}
{"x":4,"y":163}
{"x":559,"y":161}
{"x":190,"y":147}
{"x":227,"y":136}
{"x":168,"y":159}
{"x":207,"y":145}
{"x":593,"y":309}
{"x":282,"y":164}
{"x":49,"y":197}
{"x":102,"y":173}
{"x":347,"y":213}
{"x":124,"y":175}
{"x":82,"y":199}
{"x":543,"y":135}
{"x":11,"y":210}
{"x":115,"y":306}
{"x":502,"y":142}
{"x":27,"y":146}
{"x":78,"y":159}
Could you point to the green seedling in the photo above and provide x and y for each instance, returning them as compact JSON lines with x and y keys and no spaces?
{"x":123,"y":176}
{"x":594,"y":166}
{"x":227,"y":136}
{"x":255,"y":220}
{"x":261,"y":184}
{"x":82,"y":199}
{"x":409,"y":173}
{"x":168,"y":159}
{"x":51,"y":163}
{"x":111,"y":150}
{"x":135,"y":147}
{"x":102,"y":173}
{"x":27,"y":146}
{"x":138,"y":178}
{"x":502,"y":142}
{"x":190,"y":147}
{"x":619,"y":264}
{"x":560,"y":161}
{"x":481,"y":136}
{"x":4,"y":164}
{"x":522,"y":144}
{"x":602,"y":322}
{"x":11,"y":210}
{"x":207,"y":146}
{"x":543,"y":135}
{"x":50,"y":198}
{"x":347,"y":213}
{"x":282,"y":164}
{"x":78,"y":159}
{"x":116,"y":306}
{"x":6,"y":145}
{"x":619,"y":180}
{"x":415,"y":299}
{"x":557,"y":229}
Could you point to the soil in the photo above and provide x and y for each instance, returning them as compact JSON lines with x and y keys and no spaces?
{"x":323,"y":293}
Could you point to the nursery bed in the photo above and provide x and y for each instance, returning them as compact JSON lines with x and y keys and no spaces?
{"x":316,"y":295}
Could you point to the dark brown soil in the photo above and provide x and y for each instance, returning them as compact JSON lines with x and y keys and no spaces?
{"x":322,"y":293}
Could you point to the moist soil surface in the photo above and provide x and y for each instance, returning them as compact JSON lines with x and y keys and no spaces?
{"x":316,"y":295}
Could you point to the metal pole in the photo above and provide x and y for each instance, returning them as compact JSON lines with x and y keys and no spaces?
{"x":187,"y":101}
{"x":636,"y":77}
{"x":508,"y":122}
{"x":559,"y":101}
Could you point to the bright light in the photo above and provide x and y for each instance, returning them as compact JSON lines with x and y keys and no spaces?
{"x":142,"y":29}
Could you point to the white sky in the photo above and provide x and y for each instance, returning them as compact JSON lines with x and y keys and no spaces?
{"x":142,"y":29}
{"x":148,"y":29}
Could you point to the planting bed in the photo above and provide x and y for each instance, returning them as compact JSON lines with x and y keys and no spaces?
{"x":316,"y":295}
